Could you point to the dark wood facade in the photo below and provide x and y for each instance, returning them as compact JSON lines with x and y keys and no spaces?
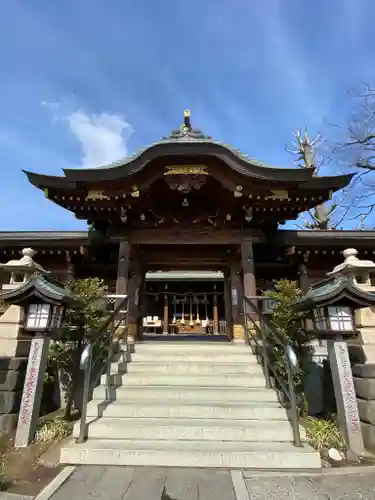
{"x":74,"y":252}
{"x":188,"y":202}
{"x":300,"y":255}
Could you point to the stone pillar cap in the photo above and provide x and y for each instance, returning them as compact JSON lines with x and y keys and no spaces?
{"x":26,"y":262}
{"x":352,"y":264}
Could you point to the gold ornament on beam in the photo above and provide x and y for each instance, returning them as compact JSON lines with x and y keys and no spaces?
{"x":185,"y":178}
{"x":278,"y":194}
{"x":96,"y":195}
{"x":238,"y":192}
{"x":186,"y":170}
{"x":135,"y":192}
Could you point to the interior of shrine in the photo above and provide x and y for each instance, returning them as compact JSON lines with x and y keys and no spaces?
{"x":193,"y":302}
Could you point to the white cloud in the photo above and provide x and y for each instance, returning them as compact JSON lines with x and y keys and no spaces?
{"x":52,"y":106}
{"x":103,"y":137}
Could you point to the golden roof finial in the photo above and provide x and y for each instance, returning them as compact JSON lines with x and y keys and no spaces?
{"x":187,"y":119}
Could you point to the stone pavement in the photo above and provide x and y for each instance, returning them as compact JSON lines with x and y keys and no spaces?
{"x":338,"y":487}
{"x":14,"y":496}
{"x":157,"y":483}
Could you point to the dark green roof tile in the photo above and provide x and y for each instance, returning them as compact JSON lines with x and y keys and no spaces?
{"x":334,"y":289}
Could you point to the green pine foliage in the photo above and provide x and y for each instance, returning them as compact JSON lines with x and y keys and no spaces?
{"x":65,"y":354}
{"x":289,"y":325}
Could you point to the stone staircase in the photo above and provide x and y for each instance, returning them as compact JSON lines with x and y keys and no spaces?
{"x":189,"y":405}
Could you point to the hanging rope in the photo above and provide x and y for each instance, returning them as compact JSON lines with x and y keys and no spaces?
{"x":186,"y":294}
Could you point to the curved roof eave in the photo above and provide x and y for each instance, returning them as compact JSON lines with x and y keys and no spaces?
{"x":43,"y":181}
{"x":42,"y":286}
{"x":361,"y":297}
{"x":329,"y":182}
{"x":331,"y":290}
{"x":234,"y":159}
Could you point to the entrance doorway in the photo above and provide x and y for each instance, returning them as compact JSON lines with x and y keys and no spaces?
{"x":184,"y":304}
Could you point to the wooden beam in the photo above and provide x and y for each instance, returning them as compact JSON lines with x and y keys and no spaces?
{"x":184,"y":267}
{"x":192,"y":236}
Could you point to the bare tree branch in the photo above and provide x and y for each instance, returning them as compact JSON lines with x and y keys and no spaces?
{"x":353,"y":149}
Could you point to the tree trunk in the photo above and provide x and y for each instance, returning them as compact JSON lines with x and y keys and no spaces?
{"x":321,"y":216}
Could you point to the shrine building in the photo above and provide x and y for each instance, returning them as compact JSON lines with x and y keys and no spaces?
{"x":186,"y":227}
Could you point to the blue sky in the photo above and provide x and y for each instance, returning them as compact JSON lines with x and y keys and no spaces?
{"x":85,"y":82}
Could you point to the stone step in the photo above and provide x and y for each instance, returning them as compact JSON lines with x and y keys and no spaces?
{"x":151,"y":379}
{"x":197,"y":356}
{"x":184,"y":393}
{"x":197,"y":368}
{"x":165,"y":453}
{"x":189,"y":429}
{"x":191,"y":347}
{"x":215,"y":410}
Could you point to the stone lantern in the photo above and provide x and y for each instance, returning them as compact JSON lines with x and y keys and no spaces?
{"x":14,"y":343}
{"x":43,"y":301}
{"x":16,"y":272}
{"x":20,"y":270}
{"x":333,"y":303}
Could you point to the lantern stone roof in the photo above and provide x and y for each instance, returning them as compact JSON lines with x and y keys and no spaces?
{"x":332,"y":290}
{"x":190,"y":142}
{"x":340,"y":284}
{"x":42,"y":286}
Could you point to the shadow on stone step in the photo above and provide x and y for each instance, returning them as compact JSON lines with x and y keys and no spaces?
{"x":165,"y":496}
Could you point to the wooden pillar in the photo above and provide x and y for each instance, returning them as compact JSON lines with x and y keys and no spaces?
{"x":249,"y":284}
{"x":134,"y":291}
{"x":215,"y":313}
{"x":228,"y":306}
{"x":304,"y":281}
{"x":69,"y":265}
{"x":123,"y":268}
{"x":122,"y":282}
{"x":166,"y":315}
{"x":236,"y":293}
{"x":2,"y":278}
{"x":143,"y":300}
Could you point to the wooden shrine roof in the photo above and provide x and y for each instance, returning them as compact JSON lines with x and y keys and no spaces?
{"x":187,"y":143}
{"x":246,"y":167}
{"x":237,"y":162}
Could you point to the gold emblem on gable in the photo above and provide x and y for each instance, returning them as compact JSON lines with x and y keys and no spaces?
{"x":96,"y":195}
{"x":186,"y":170}
{"x":278,"y":194}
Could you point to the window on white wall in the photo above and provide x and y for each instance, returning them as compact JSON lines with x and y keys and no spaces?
{"x":341,"y":318}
